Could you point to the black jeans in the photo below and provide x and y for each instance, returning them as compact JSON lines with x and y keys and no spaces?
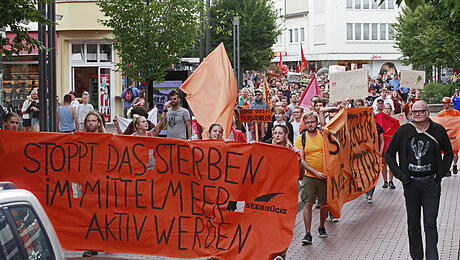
{"x":422,"y":193}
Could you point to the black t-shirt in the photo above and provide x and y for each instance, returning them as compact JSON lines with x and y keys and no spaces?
{"x":379,"y":131}
{"x":421,"y":155}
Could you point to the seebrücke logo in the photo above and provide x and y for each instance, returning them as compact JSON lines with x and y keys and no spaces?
{"x":266,"y":206}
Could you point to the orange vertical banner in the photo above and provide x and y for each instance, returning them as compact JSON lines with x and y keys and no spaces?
{"x":452,"y":126}
{"x":351,"y":159}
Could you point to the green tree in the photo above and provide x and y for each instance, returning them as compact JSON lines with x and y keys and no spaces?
{"x":426,"y":37}
{"x":14,"y":14}
{"x":258,"y":30}
{"x":413,"y":4}
{"x":148,"y":35}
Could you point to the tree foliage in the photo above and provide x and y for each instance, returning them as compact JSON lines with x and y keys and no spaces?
{"x":148,"y":35}
{"x":14,"y":14}
{"x":258,"y":29}
{"x":427,"y":37}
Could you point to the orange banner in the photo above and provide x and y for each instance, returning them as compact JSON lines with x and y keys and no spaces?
{"x":351,"y":159}
{"x":255,"y":115}
{"x":158,"y":196}
{"x":452,"y":126}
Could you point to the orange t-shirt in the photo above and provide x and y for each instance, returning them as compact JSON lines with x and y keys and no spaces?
{"x":450,"y":112}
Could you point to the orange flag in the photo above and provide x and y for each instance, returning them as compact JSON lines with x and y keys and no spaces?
{"x":267,"y":94}
{"x":211,"y":91}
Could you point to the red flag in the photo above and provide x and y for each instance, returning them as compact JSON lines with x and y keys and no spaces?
{"x":389,"y":125}
{"x":303,"y":67}
{"x":281,"y":59}
{"x":298,"y":68}
{"x":312,"y":89}
{"x":212,"y":103}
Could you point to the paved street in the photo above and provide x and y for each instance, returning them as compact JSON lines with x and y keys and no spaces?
{"x":370,"y":231}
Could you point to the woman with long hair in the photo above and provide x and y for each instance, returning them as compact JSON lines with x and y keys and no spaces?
{"x":30,"y":112}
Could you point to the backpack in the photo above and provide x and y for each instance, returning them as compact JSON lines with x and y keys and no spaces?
{"x":129,"y":95}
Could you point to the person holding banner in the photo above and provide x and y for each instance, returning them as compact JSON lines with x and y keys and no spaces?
{"x":93,"y":123}
{"x":280,"y":116}
{"x":314,"y":181}
{"x":370,"y":193}
{"x":258,"y":103}
{"x":11,"y":121}
{"x":421,"y":168}
{"x":446,"y":112}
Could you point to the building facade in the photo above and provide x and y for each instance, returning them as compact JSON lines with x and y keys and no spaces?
{"x":85,"y":61}
{"x":351,"y":33}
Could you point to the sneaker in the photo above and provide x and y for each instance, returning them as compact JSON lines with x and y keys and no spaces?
{"x":392,"y":186}
{"x":385,"y":185}
{"x":318,"y":205}
{"x":307,"y":239}
{"x":448,"y":174}
{"x":279,"y":258}
{"x":322,"y":232}
{"x":332,"y":218}
{"x":89,"y":253}
{"x":370,"y":200}
{"x":455,"y":170}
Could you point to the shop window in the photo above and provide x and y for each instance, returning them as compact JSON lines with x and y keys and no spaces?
{"x":78,"y":52}
{"x":106,"y":52}
{"x":19,"y":77}
{"x":92,"y":52}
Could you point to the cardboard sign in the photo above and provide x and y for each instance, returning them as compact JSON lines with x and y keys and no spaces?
{"x":401,"y":117}
{"x":351,"y":159}
{"x":389,"y":125}
{"x":412,"y":79}
{"x":452,"y":126}
{"x":255,"y":115}
{"x":158,"y":196}
{"x":349,"y":84}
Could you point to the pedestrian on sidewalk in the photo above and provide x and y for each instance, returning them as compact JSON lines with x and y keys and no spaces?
{"x":314,"y":180}
{"x":421,"y":168}
{"x":67,"y":120}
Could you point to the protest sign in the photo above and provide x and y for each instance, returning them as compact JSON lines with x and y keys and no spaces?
{"x":389,"y":125}
{"x":255,"y":115}
{"x":348,"y":84}
{"x":452,"y":126}
{"x":351,"y":159}
{"x":401,"y":117}
{"x":161,"y":92}
{"x":412,"y":79}
{"x":158,"y":196}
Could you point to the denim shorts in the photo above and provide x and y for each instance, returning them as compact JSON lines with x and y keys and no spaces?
{"x":35,"y":121}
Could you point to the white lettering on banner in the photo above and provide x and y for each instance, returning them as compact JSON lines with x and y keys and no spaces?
{"x":412,"y":79}
{"x":348,"y":84}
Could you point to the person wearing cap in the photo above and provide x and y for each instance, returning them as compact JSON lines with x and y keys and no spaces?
{"x":446,"y":112}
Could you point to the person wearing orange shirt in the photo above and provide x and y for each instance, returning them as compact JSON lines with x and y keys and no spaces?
{"x":449,"y":111}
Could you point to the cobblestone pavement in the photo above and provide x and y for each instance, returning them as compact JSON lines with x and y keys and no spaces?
{"x":369,"y":231}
